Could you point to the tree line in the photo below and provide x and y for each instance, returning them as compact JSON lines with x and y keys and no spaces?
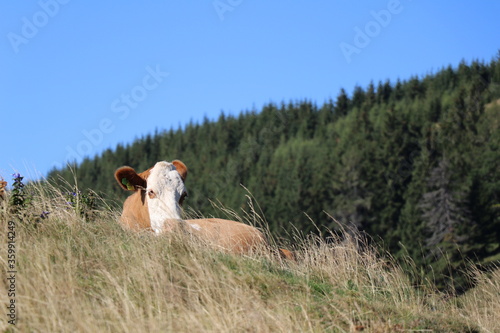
{"x":412,"y":163}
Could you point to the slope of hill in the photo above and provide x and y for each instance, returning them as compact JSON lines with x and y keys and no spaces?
{"x":413,"y":163}
{"x":73,"y":269}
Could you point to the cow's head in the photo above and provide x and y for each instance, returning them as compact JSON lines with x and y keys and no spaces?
{"x":161,"y":187}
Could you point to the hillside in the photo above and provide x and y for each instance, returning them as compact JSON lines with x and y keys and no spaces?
{"x":76,"y":270}
{"x":414,"y":164}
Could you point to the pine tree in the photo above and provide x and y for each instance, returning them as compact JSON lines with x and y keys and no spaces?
{"x":370,"y":96}
{"x":342,"y":104}
{"x":358,"y":97}
{"x":443,"y":208}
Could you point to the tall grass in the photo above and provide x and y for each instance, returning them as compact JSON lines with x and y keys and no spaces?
{"x":77,"y":274}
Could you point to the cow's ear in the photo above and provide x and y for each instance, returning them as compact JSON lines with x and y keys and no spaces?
{"x":129,"y":179}
{"x":181,"y":169}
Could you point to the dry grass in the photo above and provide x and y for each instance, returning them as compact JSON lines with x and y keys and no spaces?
{"x":78,"y":276}
{"x":482,"y":304}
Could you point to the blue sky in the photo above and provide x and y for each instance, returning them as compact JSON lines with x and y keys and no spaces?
{"x":79,"y":77}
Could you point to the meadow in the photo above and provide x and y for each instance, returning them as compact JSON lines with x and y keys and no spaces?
{"x":77,"y":270}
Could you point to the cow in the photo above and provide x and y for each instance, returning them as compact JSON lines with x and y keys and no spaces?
{"x":156,"y":205}
{"x":3,"y":185}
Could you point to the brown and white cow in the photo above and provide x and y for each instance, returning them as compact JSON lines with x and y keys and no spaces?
{"x":156,"y":205}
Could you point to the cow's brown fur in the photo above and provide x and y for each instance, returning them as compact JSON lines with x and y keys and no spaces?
{"x":229,"y":235}
{"x":135,"y":215}
{"x":3,"y":185}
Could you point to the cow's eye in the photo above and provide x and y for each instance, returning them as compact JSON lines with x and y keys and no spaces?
{"x":151,"y":194}
{"x":183,"y":196}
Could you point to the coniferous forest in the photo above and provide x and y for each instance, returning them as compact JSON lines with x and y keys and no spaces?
{"x":414,"y":164}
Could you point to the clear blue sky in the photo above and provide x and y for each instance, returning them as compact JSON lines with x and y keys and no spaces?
{"x":78,"y":77}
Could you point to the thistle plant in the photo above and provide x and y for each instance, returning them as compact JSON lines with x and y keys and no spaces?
{"x":84,"y":204}
{"x":19,"y":198}
{"x":21,"y":202}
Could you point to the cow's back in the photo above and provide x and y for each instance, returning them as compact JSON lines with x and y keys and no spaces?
{"x":231,"y":235}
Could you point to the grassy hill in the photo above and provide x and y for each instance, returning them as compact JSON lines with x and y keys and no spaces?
{"x":77,"y":270}
{"x":412,"y":163}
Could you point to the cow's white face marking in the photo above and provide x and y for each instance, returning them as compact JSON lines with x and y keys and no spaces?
{"x":164,"y":192}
